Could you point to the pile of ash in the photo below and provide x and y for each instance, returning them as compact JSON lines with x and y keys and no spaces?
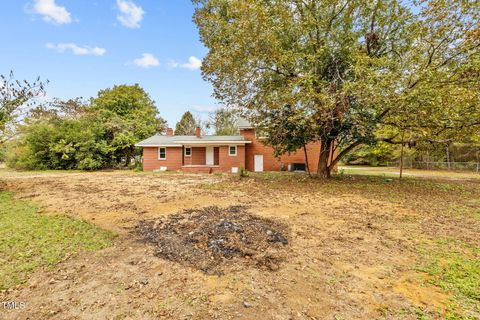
{"x":212,"y":238}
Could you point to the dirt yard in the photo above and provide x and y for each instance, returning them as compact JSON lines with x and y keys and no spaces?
{"x":358,"y":248}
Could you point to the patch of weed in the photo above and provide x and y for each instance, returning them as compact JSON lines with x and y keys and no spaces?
{"x":454,"y":266}
{"x":29,"y":240}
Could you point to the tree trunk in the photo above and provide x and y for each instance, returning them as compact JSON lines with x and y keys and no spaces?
{"x":324,"y":170}
{"x":128,"y":156}
{"x":128,"y":159}
{"x":306,"y":160}
{"x":401,"y":155}
{"x":447,"y":151}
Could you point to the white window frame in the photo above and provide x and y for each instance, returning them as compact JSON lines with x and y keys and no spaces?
{"x":259,"y":136}
{"x":160,"y":148}
{"x":229,"y":153}
{"x":185,"y":152}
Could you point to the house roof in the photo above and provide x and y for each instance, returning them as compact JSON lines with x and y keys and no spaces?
{"x":244,"y":124}
{"x":178,"y":141}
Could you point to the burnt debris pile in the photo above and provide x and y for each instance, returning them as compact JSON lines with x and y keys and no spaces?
{"x":212,"y":239}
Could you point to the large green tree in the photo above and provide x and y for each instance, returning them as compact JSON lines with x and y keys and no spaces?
{"x":75,"y":134}
{"x":353,"y":72}
{"x":63,"y":136}
{"x":187,"y":125}
{"x":128,"y":115}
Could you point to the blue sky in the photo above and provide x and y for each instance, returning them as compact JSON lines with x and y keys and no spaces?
{"x":83,"y":46}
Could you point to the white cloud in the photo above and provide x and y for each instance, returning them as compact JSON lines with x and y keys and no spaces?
{"x":147,"y":60}
{"x":77,"y":50}
{"x":193,"y":63}
{"x":173,"y":64}
{"x":130,"y":14}
{"x":51,"y":12}
{"x":204,"y":109}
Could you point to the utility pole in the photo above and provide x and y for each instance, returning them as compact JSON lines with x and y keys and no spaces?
{"x":401,"y":154}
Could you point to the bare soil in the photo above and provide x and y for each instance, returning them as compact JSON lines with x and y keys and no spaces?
{"x":351,"y":253}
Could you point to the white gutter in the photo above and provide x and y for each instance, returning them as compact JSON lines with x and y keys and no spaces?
{"x":213,"y":142}
{"x":157,"y":145}
{"x":197,"y":143}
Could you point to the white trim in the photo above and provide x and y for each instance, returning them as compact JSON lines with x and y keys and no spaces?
{"x":236,"y":151}
{"x":197,"y":143}
{"x":185,"y":152}
{"x":219,"y":143}
{"x":158,"y":145}
{"x":259,"y":137}
{"x":163,"y":159}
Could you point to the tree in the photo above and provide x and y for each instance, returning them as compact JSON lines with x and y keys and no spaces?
{"x":60,"y":135}
{"x":15,"y":99}
{"x":187,"y":125}
{"x":288,"y":130}
{"x":74,"y":134}
{"x":49,"y":141}
{"x":128,"y":115}
{"x":351,"y":69}
{"x":224,"y":122}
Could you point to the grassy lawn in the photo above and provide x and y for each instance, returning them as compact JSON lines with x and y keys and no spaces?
{"x":454,"y":266}
{"x":29,"y":240}
{"x":394,"y":172}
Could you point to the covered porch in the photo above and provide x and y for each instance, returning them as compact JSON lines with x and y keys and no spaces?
{"x":203,"y":159}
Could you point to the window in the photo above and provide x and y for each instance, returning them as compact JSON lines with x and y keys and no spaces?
{"x":261,"y":134}
{"x":162,"y":153}
{"x":188,"y":152}
{"x":232,"y":150}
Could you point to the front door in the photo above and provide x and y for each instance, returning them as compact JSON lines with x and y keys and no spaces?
{"x":209,"y":156}
{"x":258,"y":162}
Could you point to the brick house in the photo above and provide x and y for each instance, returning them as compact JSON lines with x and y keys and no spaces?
{"x":208,"y":154}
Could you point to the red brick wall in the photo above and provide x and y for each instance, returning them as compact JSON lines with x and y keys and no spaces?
{"x":199,"y":156}
{"x":226,"y":161}
{"x":270,"y":163}
{"x":173,"y":161}
{"x":244,"y":158}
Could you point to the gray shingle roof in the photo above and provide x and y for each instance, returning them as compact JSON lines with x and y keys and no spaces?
{"x":243,"y":123}
{"x":163,"y":140}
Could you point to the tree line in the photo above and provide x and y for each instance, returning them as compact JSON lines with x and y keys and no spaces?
{"x":86,"y":135}
{"x":92,"y":134}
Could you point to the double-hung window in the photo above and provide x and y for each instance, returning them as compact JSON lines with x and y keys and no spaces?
{"x":232,"y":151}
{"x":162,"y":153}
{"x":188,"y":152}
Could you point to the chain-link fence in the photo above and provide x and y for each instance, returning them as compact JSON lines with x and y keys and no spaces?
{"x":430,"y":165}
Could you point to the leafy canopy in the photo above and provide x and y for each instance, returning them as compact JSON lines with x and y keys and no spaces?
{"x":187,"y":125}
{"x":345,"y":69}
{"x":75,"y":135}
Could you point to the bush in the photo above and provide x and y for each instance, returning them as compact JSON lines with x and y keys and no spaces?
{"x":59,"y":144}
{"x":243,"y":173}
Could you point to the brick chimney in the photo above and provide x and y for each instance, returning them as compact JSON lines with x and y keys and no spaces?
{"x":169,"y":132}
{"x":198,"y":132}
